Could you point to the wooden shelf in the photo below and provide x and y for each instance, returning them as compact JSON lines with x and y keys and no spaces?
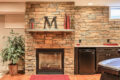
{"x":50,"y":30}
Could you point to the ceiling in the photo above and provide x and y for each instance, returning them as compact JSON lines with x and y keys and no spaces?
{"x":77,"y":2}
{"x":37,"y":0}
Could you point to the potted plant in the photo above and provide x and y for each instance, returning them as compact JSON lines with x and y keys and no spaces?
{"x":14,"y":51}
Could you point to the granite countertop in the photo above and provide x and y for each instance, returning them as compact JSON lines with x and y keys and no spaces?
{"x":96,"y":46}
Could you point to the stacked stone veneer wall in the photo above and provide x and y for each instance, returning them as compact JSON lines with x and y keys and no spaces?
{"x":92,"y":27}
{"x":48,"y":40}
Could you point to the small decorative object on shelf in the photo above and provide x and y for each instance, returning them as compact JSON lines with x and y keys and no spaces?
{"x":72,"y":23}
{"x":78,"y":44}
{"x":67,"y":22}
{"x":80,"y":41}
{"x":32,"y":23}
{"x":108,"y":40}
{"x":48,"y":22}
{"x":110,"y":43}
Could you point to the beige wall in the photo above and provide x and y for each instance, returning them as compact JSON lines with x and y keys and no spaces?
{"x":5,"y":32}
{"x":14,"y":21}
{"x":12,"y":8}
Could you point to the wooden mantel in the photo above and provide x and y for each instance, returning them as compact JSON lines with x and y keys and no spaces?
{"x":50,"y":30}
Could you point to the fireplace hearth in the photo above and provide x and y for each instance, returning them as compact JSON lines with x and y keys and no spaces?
{"x":50,"y":61}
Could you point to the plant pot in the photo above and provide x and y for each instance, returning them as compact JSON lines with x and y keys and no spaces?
{"x":13,"y":69}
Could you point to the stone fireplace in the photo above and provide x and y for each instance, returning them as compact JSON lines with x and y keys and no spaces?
{"x":55,"y":49}
{"x":37,"y":42}
{"x":50,"y":41}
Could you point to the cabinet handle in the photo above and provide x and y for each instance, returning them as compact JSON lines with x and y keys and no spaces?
{"x":109,"y":54}
{"x":106,"y":54}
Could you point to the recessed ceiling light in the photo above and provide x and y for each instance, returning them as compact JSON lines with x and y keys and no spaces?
{"x":90,"y":4}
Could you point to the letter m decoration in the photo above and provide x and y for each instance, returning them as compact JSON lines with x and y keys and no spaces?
{"x":48,"y":22}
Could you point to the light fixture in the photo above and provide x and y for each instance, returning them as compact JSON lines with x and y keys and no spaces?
{"x":90,"y":4}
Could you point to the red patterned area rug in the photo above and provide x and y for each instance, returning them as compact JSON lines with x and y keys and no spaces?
{"x":49,"y":77}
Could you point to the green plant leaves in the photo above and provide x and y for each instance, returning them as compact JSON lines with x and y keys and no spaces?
{"x":15,"y":48}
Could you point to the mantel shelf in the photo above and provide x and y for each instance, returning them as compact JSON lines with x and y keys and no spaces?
{"x":50,"y":30}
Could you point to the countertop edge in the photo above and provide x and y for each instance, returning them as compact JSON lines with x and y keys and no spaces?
{"x":95,"y":46}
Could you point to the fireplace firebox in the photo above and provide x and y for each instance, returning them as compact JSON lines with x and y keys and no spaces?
{"x":50,"y":61}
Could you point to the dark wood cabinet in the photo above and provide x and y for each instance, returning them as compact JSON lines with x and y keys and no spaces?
{"x":102,"y":53}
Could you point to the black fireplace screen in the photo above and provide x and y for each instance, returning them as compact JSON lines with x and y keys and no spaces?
{"x":50,"y":61}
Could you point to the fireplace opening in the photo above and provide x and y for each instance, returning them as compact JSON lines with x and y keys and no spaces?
{"x":50,"y":61}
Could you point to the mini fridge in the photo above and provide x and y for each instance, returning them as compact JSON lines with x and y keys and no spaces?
{"x":86,"y":61}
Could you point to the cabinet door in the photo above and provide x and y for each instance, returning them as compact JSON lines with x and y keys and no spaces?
{"x":102,"y":54}
{"x":86,"y":62}
{"x":106,"y":53}
{"x":114,"y":53}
